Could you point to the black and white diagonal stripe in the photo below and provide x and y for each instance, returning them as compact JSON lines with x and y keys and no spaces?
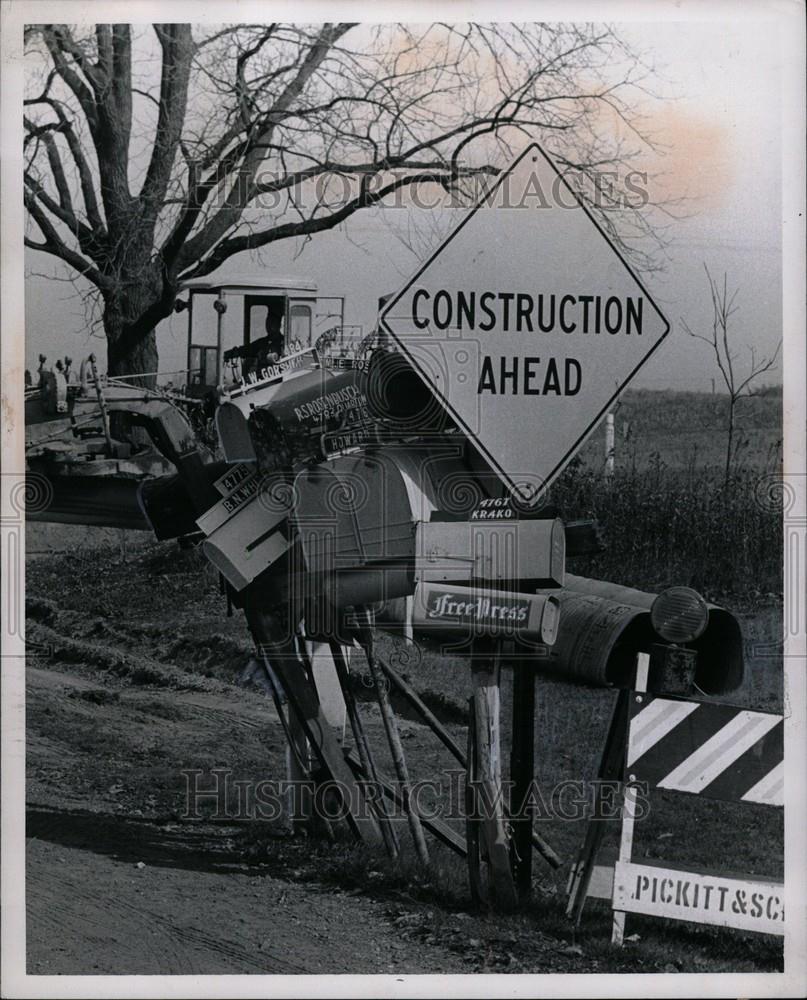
{"x":719,"y":751}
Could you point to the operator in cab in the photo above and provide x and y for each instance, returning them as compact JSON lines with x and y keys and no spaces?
{"x":265,"y":351}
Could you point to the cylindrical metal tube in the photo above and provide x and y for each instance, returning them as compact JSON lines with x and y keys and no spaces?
{"x":597,"y":640}
{"x":398,"y":396}
{"x":720,"y":668}
{"x":288,"y":430}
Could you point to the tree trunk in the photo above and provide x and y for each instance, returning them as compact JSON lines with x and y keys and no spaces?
{"x":131,"y":346}
{"x":141,"y":358}
{"x":127,"y":355}
{"x":730,"y":442}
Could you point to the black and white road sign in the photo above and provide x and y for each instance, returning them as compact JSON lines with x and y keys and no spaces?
{"x":526,"y":323}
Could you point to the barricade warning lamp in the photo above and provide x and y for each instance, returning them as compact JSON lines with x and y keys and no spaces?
{"x":679,"y":615}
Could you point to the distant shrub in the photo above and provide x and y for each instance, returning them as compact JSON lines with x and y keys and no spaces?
{"x":664,"y":527}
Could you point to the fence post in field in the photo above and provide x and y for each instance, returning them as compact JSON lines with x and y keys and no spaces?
{"x":609,"y":446}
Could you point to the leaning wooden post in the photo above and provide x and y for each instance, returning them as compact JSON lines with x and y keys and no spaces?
{"x":538,"y":842}
{"x":426,"y":713}
{"x":299,"y":809}
{"x":388,"y":831}
{"x":279,"y":648}
{"x":522,"y":773}
{"x":485,"y":671}
{"x":393,"y":736}
{"x":610,"y":769}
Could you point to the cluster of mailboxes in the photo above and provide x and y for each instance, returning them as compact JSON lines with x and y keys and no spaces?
{"x":356,"y":521}
{"x":383,"y":518}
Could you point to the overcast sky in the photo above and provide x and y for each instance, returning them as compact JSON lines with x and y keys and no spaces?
{"x":718,"y":115}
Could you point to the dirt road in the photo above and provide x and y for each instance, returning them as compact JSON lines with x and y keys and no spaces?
{"x":90,"y":912}
{"x":116,"y":886}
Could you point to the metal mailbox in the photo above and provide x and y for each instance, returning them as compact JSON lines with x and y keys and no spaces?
{"x":517,"y":552}
{"x":288,"y":431}
{"x":605,"y":625}
{"x":353,"y":511}
{"x":355,"y":521}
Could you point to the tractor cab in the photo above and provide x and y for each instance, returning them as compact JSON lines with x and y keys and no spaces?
{"x":237,"y":327}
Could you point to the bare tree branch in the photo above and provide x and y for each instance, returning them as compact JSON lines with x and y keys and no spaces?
{"x":251,"y":134}
{"x":306,"y":227}
{"x":54,"y":245}
{"x":177,"y":47}
{"x":723,"y":308}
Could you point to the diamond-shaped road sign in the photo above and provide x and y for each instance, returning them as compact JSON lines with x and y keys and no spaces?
{"x":527,"y":323}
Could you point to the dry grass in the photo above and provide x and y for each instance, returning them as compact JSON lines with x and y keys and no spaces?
{"x":665,"y":526}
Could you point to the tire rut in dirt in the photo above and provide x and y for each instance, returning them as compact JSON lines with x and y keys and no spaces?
{"x":155,"y":943}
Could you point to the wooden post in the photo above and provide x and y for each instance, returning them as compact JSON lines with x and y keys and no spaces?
{"x":629,"y":807}
{"x":428,"y":716}
{"x":485,"y":670}
{"x":611,"y":762}
{"x":366,"y":760}
{"x":298,"y":771}
{"x":522,"y":773}
{"x":544,"y":849}
{"x":303,"y":701}
{"x":393,"y":736}
{"x":609,"y":446}
{"x":299,"y":801}
{"x":442,"y":831}
{"x":322,"y":665}
{"x":474,"y":837}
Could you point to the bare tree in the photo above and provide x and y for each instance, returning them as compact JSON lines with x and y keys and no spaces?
{"x":138,"y":177}
{"x":737,"y":384}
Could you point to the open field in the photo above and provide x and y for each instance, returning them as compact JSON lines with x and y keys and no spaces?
{"x":132,"y":680}
{"x":687,"y":431}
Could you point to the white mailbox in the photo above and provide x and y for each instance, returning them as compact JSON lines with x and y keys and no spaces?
{"x":244,"y":536}
{"x":516,"y":551}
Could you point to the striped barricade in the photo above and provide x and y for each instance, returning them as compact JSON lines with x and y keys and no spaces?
{"x":696,"y":748}
{"x":718,"y":751}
